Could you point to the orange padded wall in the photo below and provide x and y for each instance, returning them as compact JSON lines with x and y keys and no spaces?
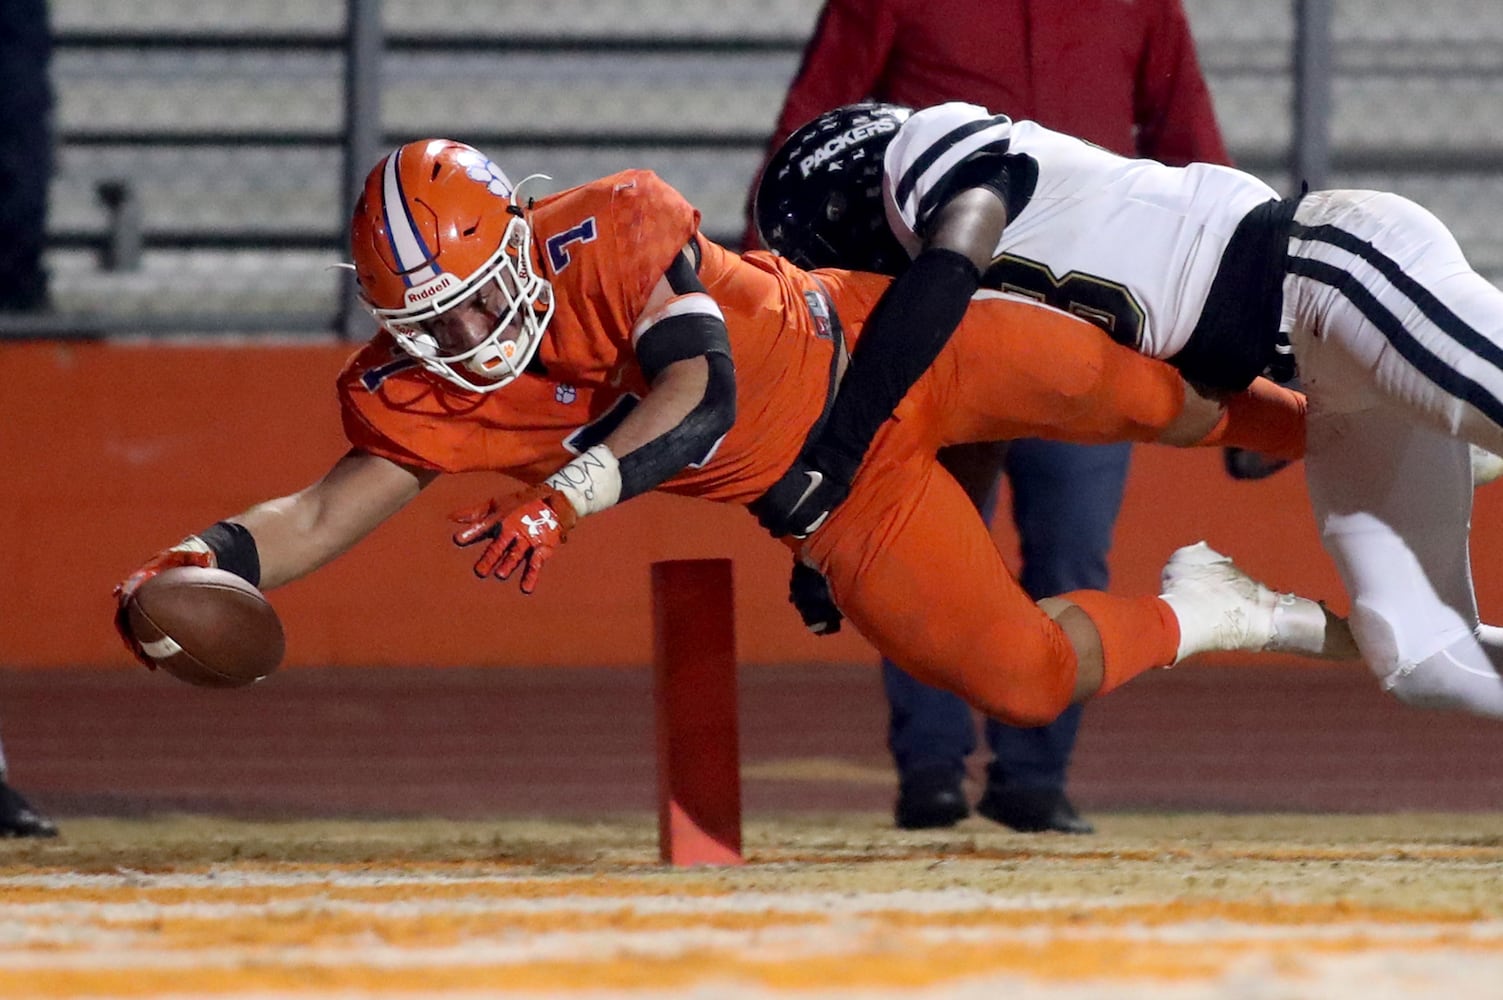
{"x":116,"y":450}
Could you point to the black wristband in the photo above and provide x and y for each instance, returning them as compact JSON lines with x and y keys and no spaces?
{"x":234,"y":550}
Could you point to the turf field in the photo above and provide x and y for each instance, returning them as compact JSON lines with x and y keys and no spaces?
{"x":1263,"y":833}
{"x":1172,"y":906}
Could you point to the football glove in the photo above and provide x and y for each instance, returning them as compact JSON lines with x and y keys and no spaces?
{"x":809,"y":593}
{"x":191,"y":551}
{"x":803,"y":497}
{"x":522,"y":531}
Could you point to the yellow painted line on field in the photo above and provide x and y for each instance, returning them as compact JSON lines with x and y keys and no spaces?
{"x":315,"y":929}
{"x":320,"y":924}
{"x":402,"y":924}
{"x":905,"y":963}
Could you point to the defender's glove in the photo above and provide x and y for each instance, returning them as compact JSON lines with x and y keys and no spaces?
{"x":191,"y":551}
{"x":809,"y":593}
{"x":804,"y":496}
{"x":523,"y":530}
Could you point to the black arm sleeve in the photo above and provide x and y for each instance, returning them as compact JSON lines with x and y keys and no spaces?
{"x":692,"y":441}
{"x":678,"y":338}
{"x":906,"y":331}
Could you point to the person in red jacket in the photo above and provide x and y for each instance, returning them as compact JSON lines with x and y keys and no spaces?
{"x":1122,"y":74}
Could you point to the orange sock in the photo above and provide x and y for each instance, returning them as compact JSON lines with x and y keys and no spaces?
{"x":1265,"y":418}
{"x":1137,"y":633}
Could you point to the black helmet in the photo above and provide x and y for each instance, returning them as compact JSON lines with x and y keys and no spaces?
{"x":820,"y":199}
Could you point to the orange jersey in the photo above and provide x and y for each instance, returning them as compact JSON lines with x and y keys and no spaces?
{"x":907,"y":556}
{"x":1012,"y":369}
{"x":605,"y":245}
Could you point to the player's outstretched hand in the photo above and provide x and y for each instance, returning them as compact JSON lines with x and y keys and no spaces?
{"x":809,"y":593}
{"x":191,"y":551}
{"x":522,"y":531}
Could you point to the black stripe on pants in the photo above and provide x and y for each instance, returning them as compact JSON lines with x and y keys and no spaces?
{"x":1387,"y":323}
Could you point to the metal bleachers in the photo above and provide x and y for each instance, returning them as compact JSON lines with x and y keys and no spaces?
{"x":222,"y":118}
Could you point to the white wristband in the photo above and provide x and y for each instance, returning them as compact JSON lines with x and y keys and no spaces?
{"x":592,"y":482}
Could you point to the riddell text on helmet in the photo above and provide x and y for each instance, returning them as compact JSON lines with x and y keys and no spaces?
{"x":430,"y":289}
{"x":850,"y":137}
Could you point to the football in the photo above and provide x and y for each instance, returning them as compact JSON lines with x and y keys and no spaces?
{"x":206,"y":626}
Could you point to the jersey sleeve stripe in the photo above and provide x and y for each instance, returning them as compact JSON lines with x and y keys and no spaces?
{"x":983,"y":135}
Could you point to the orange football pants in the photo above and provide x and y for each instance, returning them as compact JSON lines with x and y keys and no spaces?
{"x":910,"y":561}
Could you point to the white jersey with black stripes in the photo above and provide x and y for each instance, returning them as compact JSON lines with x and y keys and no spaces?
{"x":1131,"y":245}
{"x":1398,"y":342}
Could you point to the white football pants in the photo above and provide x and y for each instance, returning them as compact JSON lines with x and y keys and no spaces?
{"x":1400,"y":351}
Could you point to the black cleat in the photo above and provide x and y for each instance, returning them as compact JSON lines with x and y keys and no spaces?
{"x":1032,"y":810}
{"x":930,"y":800}
{"x":19,"y":819}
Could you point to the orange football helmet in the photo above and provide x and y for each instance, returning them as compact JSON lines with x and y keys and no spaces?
{"x":436,"y":221}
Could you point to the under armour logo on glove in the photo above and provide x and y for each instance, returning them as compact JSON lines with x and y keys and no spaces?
{"x":523,"y":531}
{"x":537,"y":525}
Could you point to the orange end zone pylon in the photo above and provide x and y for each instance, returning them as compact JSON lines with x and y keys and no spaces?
{"x":699,"y":757}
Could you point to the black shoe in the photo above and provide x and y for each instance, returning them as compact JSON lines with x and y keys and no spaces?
{"x":19,"y":819}
{"x":1032,"y":810}
{"x":929,"y":800}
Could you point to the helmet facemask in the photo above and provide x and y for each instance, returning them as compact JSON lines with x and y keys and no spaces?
{"x":526,"y":306}
{"x":443,"y":252}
